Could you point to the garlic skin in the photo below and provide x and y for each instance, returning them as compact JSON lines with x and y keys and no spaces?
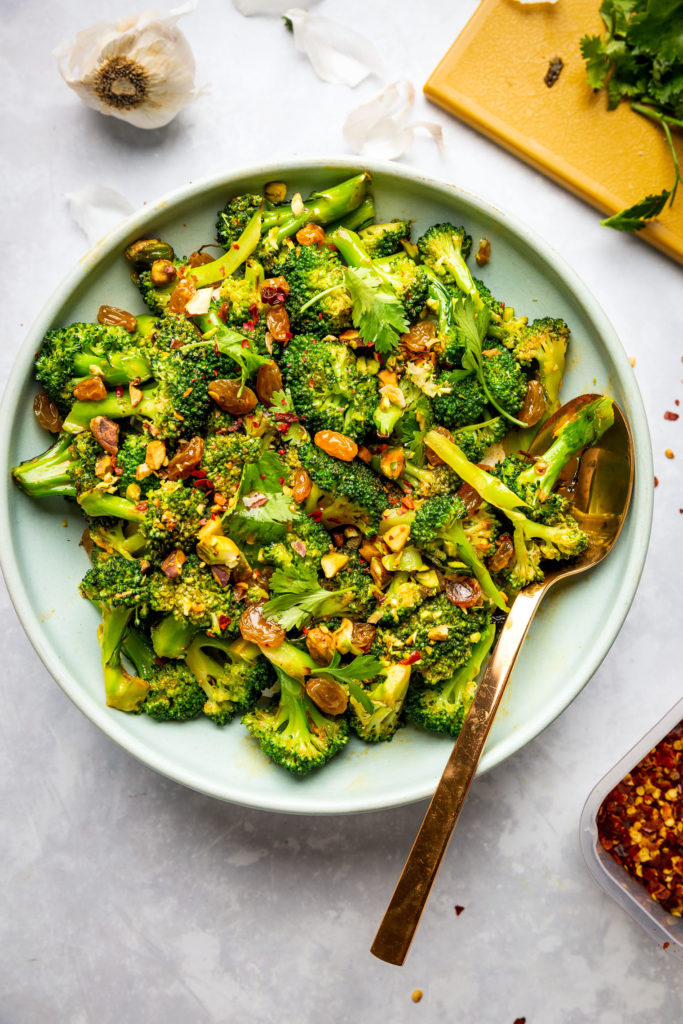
{"x":139,"y":69}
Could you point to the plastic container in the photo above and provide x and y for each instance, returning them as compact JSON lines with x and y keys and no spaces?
{"x":611,"y":876}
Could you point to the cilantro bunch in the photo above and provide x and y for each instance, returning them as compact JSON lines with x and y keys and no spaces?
{"x":640,"y":59}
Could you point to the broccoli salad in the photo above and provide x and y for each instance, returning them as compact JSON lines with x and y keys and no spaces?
{"x":304,"y":472}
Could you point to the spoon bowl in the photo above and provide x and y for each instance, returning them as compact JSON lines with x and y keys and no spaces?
{"x":598,"y":483}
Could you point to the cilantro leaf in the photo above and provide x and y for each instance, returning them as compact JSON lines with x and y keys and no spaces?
{"x":299,"y":596}
{"x":635,"y":217}
{"x":377,"y":311}
{"x":364,"y":666}
{"x":597,"y":62}
{"x":267,"y":474}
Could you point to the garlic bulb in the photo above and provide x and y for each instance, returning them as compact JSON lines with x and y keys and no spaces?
{"x":140,"y":69}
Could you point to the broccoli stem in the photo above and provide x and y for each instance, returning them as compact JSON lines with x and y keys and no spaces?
{"x":117,"y":368}
{"x":113,"y":406}
{"x":455,"y":690}
{"x":471,"y":559}
{"x":351,"y":248}
{"x":228,"y":263}
{"x":171,"y":636}
{"x":138,"y":650}
{"x":289,"y":659}
{"x":48,"y":473}
{"x":487,"y":487}
{"x":358,"y":218}
{"x":123,"y":691}
{"x":585,"y":428}
{"x":95,"y":503}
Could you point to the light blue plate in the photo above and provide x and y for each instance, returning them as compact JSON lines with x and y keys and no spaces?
{"x":43,"y":563}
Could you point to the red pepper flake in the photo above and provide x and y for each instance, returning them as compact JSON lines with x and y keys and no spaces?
{"x":656,"y":481}
{"x":262,"y":475}
{"x":245,"y":343}
{"x":411,"y":659}
{"x":224,"y":621}
{"x":458,"y":909}
{"x":304,"y":630}
{"x":670,"y":415}
{"x":639,"y":822}
{"x":141,"y":506}
{"x":222,"y":311}
{"x":676,"y":401}
{"x":235,"y":245}
{"x":281,"y":479}
{"x":248,"y":325}
{"x":119,"y":391}
{"x":520,"y":1020}
{"x":665,"y":945}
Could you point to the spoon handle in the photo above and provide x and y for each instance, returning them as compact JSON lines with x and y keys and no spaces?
{"x":403,"y":914}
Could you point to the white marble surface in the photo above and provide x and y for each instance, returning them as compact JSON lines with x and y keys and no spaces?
{"x":128,"y":898}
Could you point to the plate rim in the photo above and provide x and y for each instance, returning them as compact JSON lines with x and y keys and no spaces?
{"x":641,"y":503}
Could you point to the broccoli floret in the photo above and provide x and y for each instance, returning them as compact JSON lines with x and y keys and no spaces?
{"x":482,"y":529}
{"x":241,"y":296}
{"x":318,"y":302}
{"x":354,"y":588}
{"x":429,"y":481}
{"x":224,"y":459}
{"x":414,"y":415}
{"x":438,"y":529}
{"x":476,"y":438}
{"x":116,"y":536}
{"x":304,"y":544}
{"x":231,"y":675}
{"x":236,"y":214}
{"x":459,"y":629}
{"x":82,"y":350}
{"x":173,"y":517}
{"x":504,"y":379}
{"x":198,"y":596}
{"x":463,"y":404}
{"x":342,"y":493}
{"x":403,"y":595}
{"x":444,"y":248}
{"x":67,"y":468}
{"x":386,"y":695}
{"x":132,"y":454}
{"x":382,"y":240}
{"x":408,"y":281}
{"x":174,"y":695}
{"x":119,"y":588}
{"x":443,"y":708}
{"x":293,"y":731}
{"x":327,"y":388}
{"x":176,"y":406}
{"x":544,"y":342}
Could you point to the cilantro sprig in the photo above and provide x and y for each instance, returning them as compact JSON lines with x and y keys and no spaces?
{"x":473,"y":324}
{"x":377,"y":311}
{"x":639,"y":59}
{"x":363,"y":667}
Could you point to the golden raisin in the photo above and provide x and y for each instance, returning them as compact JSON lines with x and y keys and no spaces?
{"x":272,"y":285}
{"x":327,"y":694}
{"x":502,"y":556}
{"x":419,"y":339}
{"x":277,"y":322}
{"x":255,"y":628}
{"x":47,"y":413}
{"x":181,"y":295}
{"x":432,"y":458}
{"x":310,"y":234}
{"x":301,"y":486}
{"x":199,"y":259}
{"x":268,"y":381}
{"x":463,"y":591}
{"x":187,"y":457}
{"x":117,"y":317}
{"x":320,"y":643}
{"x":534,"y":404}
{"x":483,"y":253}
{"x":230,"y":396}
{"x":91,"y":389}
{"x":338,"y":445}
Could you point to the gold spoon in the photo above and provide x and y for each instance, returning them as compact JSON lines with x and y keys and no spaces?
{"x":599,"y":485}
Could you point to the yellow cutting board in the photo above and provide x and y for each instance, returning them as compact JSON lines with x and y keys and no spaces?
{"x":492,"y":78}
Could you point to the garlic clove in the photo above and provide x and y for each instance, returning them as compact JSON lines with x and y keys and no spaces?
{"x":378,"y":126}
{"x":338,"y":54}
{"x":140,"y":69}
